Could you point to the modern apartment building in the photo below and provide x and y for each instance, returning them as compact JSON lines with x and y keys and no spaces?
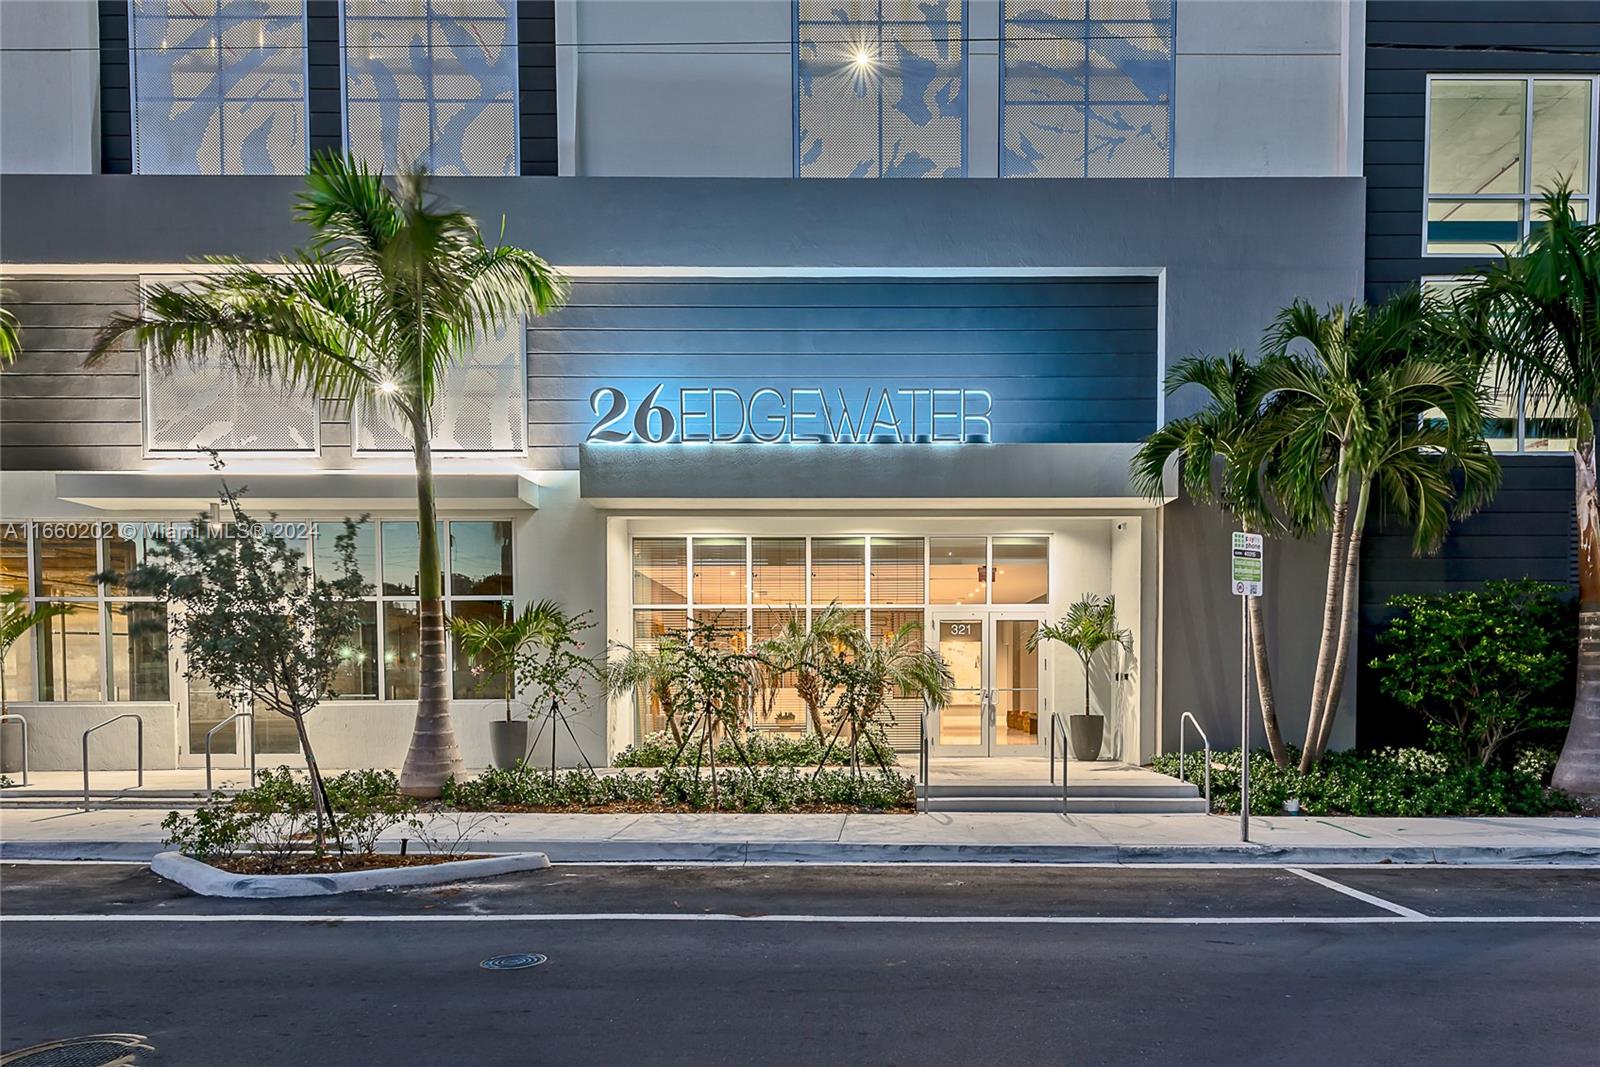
{"x":872,"y":302}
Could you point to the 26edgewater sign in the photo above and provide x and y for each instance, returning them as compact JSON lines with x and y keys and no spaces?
{"x":773,"y":415}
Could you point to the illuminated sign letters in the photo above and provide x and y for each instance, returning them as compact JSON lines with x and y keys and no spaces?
{"x":772,"y":415}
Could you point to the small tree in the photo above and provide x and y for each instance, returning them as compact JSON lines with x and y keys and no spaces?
{"x":1088,"y":626}
{"x":254,"y":621}
{"x":867,"y":673}
{"x":803,"y":652}
{"x":651,"y":669}
{"x":16,"y":621}
{"x":551,"y":663}
{"x":1482,"y":666}
{"x":492,"y":646}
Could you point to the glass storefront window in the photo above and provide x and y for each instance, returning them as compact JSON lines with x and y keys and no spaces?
{"x":325,"y":550}
{"x":400,"y":555}
{"x":18,"y":668}
{"x":660,"y":570}
{"x":897,"y":570}
{"x":69,"y":654}
{"x":13,"y":560}
{"x":480,"y":558}
{"x":64,"y":567}
{"x":401,"y":680}
{"x":356,"y":677}
{"x":958,"y":570}
{"x":1021,"y":570}
{"x":469,"y":681}
{"x":778,"y":570}
{"x":719,"y":570}
{"x":838,"y":570}
{"x":139,"y":651}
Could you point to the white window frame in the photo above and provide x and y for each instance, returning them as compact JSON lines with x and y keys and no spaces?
{"x":1529,"y":197}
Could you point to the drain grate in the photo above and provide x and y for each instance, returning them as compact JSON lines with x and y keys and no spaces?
{"x":95,"y":1050}
{"x":515,"y":961}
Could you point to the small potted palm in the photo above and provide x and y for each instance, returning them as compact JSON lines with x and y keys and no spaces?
{"x":492,"y":648}
{"x":1088,"y":626}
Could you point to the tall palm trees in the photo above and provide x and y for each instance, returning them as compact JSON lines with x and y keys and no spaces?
{"x":394,"y":288}
{"x":1536,"y":316}
{"x":1218,"y":459}
{"x":1368,"y":405}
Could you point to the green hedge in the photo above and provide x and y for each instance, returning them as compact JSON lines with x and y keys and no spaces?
{"x":1391,"y":782}
{"x":764,"y":789}
{"x":767,"y":749}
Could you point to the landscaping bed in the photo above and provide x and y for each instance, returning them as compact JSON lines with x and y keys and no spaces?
{"x":328,"y":863}
{"x":1406,"y":782}
{"x":769,"y":750}
{"x":746,"y":790}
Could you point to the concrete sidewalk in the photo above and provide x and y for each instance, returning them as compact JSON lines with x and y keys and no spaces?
{"x":927,"y":838}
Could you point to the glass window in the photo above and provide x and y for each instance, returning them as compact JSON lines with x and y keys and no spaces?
{"x":356,"y":677}
{"x":958,"y":570}
{"x":1494,"y":144}
{"x":897,"y":570}
{"x":886,"y":623}
{"x":18,"y":671}
{"x":65,"y":567}
{"x":1086,"y":88}
{"x":13,"y":558}
{"x":219,"y":86}
{"x":472,"y":681}
{"x":1021,"y":570}
{"x":400,"y":677}
{"x":433,"y":82}
{"x":325,"y":550}
{"x":139,"y":651}
{"x":778,"y":570}
{"x":660,"y":570}
{"x":480,"y":558}
{"x":69,"y":651}
{"x":838,"y":570}
{"x":400,"y":555}
{"x":881,"y":89}
{"x":719,"y":570}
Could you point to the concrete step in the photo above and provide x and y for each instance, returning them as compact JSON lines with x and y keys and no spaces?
{"x":1076,"y":805}
{"x":1176,"y":789}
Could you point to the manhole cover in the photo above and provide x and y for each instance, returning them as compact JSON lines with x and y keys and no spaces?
{"x":95,"y":1050}
{"x":516,"y":961}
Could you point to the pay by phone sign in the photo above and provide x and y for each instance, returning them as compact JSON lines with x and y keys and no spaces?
{"x":1246,"y":564}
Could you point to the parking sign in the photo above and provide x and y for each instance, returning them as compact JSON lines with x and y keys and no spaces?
{"x":1246,"y":572}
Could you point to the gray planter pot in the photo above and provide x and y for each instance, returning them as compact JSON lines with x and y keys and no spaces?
{"x":1086,"y":731}
{"x":508,"y":742}
{"x":10,"y":747}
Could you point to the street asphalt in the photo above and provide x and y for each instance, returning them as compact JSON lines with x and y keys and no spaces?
{"x":808,"y":964}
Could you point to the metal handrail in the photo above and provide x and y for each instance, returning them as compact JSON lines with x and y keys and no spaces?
{"x":252,"y":742}
{"x":1184,"y":720}
{"x":1055,"y":722}
{"x":115,"y":718}
{"x":24,"y":722}
{"x":922,"y":759}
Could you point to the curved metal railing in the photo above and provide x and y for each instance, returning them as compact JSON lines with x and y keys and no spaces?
{"x":1058,"y":730}
{"x":1183,"y":722}
{"x":252,"y":742}
{"x":9,"y":717}
{"x":115,"y":718}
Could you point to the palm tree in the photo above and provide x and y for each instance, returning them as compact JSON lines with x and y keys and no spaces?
{"x":652,"y":669}
{"x":493,"y":644}
{"x":1535,"y":315}
{"x":802,"y":651}
{"x":394,"y":288}
{"x":1089,"y":625}
{"x":1368,"y":405}
{"x":16,"y":619}
{"x":1218,"y":459}
{"x":867,"y":673}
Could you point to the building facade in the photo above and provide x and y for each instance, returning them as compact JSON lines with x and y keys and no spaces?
{"x":871,"y":304}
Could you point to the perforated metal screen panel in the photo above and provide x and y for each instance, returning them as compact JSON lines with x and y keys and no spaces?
{"x":213,"y":405}
{"x":432,"y":80}
{"x":881,"y":89}
{"x":219,"y":86}
{"x":1086,"y":88}
{"x":483,"y":406}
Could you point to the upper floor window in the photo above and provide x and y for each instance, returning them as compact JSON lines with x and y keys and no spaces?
{"x":219,"y":86}
{"x":1515,"y":420}
{"x":1493,"y":143}
{"x":880,"y":89}
{"x":432,"y":81}
{"x":1086,"y":88}
{"x":482,"y":405}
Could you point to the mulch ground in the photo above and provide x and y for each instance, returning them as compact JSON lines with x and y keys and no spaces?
{"x":334,"y":864}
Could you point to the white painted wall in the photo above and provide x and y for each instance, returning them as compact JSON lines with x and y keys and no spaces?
{"x":49,"y":87}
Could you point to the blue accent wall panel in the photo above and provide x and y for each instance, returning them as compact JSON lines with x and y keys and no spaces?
{"x":1062,"y":360}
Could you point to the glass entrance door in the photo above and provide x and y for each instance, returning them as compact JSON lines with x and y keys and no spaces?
{"x":997,"y":706}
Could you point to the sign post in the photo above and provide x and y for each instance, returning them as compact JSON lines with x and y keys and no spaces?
{"x":1245,"y":577}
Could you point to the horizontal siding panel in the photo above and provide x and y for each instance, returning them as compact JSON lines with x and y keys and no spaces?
{"x":23,"y":386}
{"x":795,"y":368}
{"x":72,"y":457}
{"x":14,"y":433}
{"x":976,"y":322}
{"x":833,"y":294}
{"x":852,"y":343}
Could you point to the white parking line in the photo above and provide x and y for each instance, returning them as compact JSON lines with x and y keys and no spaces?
{"x":1368,"y":898}
{"x":1413,"y":918}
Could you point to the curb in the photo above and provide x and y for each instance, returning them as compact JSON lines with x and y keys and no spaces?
{"x":209,"y":881}
{"x":671,"y":852}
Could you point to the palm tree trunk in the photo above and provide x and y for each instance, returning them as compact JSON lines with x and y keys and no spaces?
{"x":1578,"y":770}
{"x":1269,"y":704}
{"x":1330,"y":612}
{"x":434,"y":757}
{"x":1347,"y":613}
